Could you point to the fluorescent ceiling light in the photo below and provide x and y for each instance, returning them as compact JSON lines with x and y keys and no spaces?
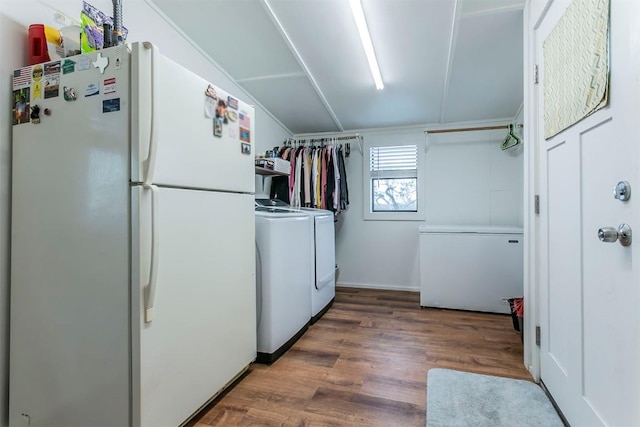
{"x":361,"y":23}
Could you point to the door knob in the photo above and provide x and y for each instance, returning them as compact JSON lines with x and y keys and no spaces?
{"x":610,"y":234}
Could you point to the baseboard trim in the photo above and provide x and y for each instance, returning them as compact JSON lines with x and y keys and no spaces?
{"x":381,"y":287}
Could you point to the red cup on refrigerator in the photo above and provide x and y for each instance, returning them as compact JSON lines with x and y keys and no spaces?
{"x":38,"y":51}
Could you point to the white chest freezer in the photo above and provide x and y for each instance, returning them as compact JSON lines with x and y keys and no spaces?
{"x":470,"y":267}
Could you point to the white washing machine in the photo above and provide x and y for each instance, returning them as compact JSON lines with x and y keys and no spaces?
{"x":283,"y":261}
{"x":323,"y":286}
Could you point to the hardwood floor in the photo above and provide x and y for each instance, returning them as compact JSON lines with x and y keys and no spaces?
{"x":365,"y":363}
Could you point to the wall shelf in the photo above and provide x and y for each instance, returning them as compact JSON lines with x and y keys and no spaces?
{"x":265,"y":171}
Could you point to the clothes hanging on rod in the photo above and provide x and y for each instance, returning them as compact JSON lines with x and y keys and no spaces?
{"x":318,"y":177}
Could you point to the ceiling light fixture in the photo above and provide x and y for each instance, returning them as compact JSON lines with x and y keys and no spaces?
{"x":365,"y":37}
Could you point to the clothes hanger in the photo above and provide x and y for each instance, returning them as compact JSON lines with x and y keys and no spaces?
{"x":512,"y":139}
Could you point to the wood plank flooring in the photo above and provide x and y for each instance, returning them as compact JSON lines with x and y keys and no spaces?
{"x":365,"y":363}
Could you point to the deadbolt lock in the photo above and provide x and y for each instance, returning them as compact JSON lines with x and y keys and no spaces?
{"x":622,"y":191}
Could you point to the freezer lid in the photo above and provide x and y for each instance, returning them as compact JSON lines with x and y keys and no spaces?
{"x":185,"y":131}
{"x":471,"y":229}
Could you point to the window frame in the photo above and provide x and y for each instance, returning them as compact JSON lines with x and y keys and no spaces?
{"x":367,"y":202}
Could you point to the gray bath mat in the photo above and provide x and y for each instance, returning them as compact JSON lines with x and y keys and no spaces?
{"x":457,"y":398}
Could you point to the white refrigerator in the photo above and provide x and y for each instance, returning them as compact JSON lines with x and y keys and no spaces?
{"x":132,"y":241}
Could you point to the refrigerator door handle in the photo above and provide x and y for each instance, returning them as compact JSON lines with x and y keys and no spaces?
{"x":155,"y":245}
{"x":150,"y":161}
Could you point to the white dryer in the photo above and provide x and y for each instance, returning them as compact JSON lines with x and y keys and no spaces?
{"x":283,"y":261}
{"x":323,"y":286}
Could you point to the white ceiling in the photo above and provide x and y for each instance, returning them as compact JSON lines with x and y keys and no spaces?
{"x":442,"y":61}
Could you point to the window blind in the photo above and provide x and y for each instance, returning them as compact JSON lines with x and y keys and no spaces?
{"x":393,"y":160}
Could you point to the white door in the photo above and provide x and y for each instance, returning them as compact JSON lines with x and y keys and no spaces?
{"x":589,"y":290}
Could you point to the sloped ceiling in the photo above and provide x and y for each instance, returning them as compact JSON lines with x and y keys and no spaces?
{"x":442,"y":61}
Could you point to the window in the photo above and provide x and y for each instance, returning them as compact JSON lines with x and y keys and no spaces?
{"x":393,"y":186}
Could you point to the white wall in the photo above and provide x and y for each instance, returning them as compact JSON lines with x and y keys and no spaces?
{"x":144,"y":23}
{"x":469,"y":180}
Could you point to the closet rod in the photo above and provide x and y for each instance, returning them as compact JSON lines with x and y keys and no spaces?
{"x":337,"y":138}
{"x":357,"y":137}
{"x":470,"y":129}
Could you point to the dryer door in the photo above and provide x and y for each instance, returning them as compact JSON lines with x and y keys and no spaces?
{"x":325,"y":251}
